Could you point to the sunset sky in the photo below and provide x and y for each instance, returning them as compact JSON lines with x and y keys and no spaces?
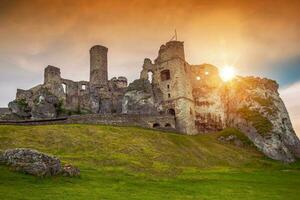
{"x":260,"y":38}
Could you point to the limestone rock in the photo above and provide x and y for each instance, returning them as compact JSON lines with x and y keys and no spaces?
{"x":36,"y":163}
{"x":139,"y":98}
{"x":255,"y":108}
{"x":233,"y":139}
{"x":45,"y":105}
{"x":140,"y":85}
{"x":31,"y":162}
{"x":20,"y":108}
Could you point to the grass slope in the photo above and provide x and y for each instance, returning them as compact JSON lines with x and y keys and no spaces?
{"x":136,"y":163}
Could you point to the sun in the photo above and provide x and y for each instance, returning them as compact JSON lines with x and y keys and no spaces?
{"x":227,"y":73}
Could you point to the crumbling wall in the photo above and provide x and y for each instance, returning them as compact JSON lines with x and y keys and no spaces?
{"x":209,"y":107}
{"x":139,"y":98}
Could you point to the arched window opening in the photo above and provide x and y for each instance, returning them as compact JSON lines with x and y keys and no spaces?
{"x":167,"y":125}
{"x":156,"y":125}
{"x":150,"y":76}
{"x":171,"y":111}
{"x":165,"y":75}
{"x":169,"y":95}
{"x":64,"y":88}
{"x":83,"y":87}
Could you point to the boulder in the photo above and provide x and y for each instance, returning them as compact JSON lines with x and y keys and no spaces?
{"x":20,"y":108}
{"x":232,"y":139}
{"x":45,"y":105}
{"x":35,"y":163}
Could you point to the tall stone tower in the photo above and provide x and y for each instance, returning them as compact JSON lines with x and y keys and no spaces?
{"x":172,"y":77}
{"x":98,"y":66}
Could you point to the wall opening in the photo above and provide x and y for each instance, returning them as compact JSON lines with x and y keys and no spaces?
{"x":167,"y":125}
{"x":171,"y":111}
{"x":169,"y":95}
{"x":64,"y":88}
{"x":83,"y":87}
{"x":156,"y":125}
{"x":165,"y":75}
{"x":150,"y":76}
{"x":168,"y":86}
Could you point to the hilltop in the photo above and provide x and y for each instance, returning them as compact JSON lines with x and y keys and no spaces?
{"x":136,"y":163}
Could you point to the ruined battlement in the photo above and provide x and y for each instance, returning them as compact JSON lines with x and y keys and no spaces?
{"x":170,"y":50}
{"x":51,"y":74}
{"x":120,"y":82}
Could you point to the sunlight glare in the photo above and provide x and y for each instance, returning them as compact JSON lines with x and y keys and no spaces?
{"x":227,"y":73}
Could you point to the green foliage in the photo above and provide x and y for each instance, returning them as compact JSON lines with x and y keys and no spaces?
{"x":62,"y":111}
{"x":136,"y":163}
{"x":22,"y":103}
{"x":267,"y":103}
{"x":59,"y":108}
{"x":260,"y":123}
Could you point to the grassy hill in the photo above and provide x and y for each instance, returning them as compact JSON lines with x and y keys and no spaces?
{"x":136,"y":163}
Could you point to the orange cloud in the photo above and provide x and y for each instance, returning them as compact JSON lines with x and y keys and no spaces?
{"x":246,"y":34}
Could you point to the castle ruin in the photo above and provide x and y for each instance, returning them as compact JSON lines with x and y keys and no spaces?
{"x":170,"y":94}
{"x":167,"y":86}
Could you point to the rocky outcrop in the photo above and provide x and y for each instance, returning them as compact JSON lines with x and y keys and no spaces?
{"x":139,"y":98}
{"x":36,"y":163}
{"x":46,"y":106}
{"x":36,"y":103}
{"x":255,"y":107}
{"x":20,"y":108}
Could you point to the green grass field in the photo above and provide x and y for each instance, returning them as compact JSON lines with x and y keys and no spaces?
{"x":136,"y":163}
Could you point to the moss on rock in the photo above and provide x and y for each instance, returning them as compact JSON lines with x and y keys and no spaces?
{"x":260,"y":123}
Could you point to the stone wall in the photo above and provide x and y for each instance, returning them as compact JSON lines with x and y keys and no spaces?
{"x":165,"y":122}
{"x":4,"y":111}
{"x":147,"y":121}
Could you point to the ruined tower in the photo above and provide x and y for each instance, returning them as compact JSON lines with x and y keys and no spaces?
{"x":52,"y":81}
{"x":175,"y":84}
{"x":98,"y":66}
{"x":52,"y":75}
{"x":171,"y":77}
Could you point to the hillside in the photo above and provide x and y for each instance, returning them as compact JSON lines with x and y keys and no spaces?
{"x":136,"y":163}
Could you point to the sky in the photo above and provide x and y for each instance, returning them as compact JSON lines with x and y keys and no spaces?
{"x":259,"y":38}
